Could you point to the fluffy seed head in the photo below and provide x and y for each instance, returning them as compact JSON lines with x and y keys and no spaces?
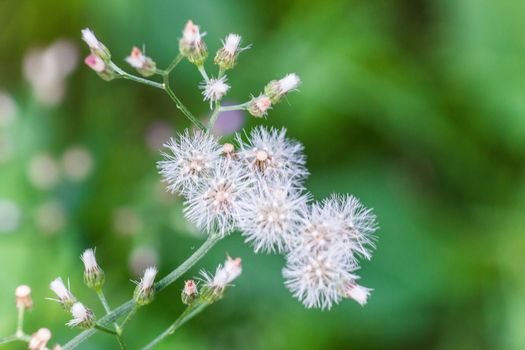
{"x":357,"y":292}
{"x":23,"y":297}
{"x":213,"y":206}
{"x":270,"y":155}
{"x":214,"y":90}
{"x":82,"y":316}
{"x":270,"y":215}
{"x":40,"y":339}
{"x":189,"y":161}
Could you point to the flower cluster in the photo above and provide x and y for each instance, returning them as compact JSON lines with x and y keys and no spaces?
{"x":259,"y":190}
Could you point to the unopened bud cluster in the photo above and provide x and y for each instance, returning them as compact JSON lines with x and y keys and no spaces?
{"x":100,"y":58}
{"x":143,"y":64}
{"x":191,"y":44}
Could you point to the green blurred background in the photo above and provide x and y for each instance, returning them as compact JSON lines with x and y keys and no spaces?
{"x":417,"y":107}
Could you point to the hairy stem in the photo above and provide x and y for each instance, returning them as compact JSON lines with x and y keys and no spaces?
{"x":174,"y":63}
{"x":180,"y":106}
{"x":125,"y":308}
{"x":8,"y":339}
{"x":202,"y":70}
{"x":187,"y":315}
{"x":105,"y":329}
{"x":20,"y":323}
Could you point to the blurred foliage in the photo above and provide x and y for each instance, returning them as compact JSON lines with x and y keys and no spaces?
{"x":417,"y":107}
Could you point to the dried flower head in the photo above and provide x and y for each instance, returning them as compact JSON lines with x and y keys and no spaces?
{"x":270,"y":155}
{"x":270,"y":214}
{"x":23,"y":297}
{"x":64,"y":295}
{"x":213,"y":205}
{"x":144,"y":64}
{"x":82,"y":316}
{"x":39,"y":339}
{"x":93,"y":275}
{"x":145,"y":291}
{"x":191,"y":44}
{"x":190,"y":160}
{"x":214,"y":90}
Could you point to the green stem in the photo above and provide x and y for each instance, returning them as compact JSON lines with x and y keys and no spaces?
{"x":214,"y":116}
{"x":105,"y":329}
{"x":128,"y":76}
{"x":240,"y":107}
{"x":174,"y":63}
{"x":20,"y":323}
{"x":118,"y":330}
{"x":187,"y":315}
{"x":180,"y":106}
{"x":8,"y":339}
{"x":202,"y":70}
{"x":126,"y":308}
{"x":129,"y":316}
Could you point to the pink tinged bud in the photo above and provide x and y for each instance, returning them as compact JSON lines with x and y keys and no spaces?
{"x":136,"y":59}
{"x":23,"y":297}
{"x":259,"y":106}
{"x":191,"y":44}
{"x":40,"y":339}
{"x":191,"y":33}
{"x":96,"y":63}
{"x":190,"y":292}
{"x":358,"y":293}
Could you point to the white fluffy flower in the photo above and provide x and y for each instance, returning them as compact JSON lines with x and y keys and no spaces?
{"x":356,"y":222}
{"x":214,"y":90}
{"x":63,"y":293}
{"x":357,"y":292}
{"x":271,"y":155}
{"x":190,"y":159}
{"x":231,"y":44}
{"x":82,"y":316}
{"x":270,"y":215}
{"x":224,"y":275}
{"x":318,"y":280}
{"x":148,"y":279}
{"x":213,"y":206}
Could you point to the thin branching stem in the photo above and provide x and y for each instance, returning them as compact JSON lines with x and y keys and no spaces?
{"x":187,"y":315}
{"x":180,"y":106}
{"x":126,"y":308}
{"x":202,"y":70}
{"x":20,"y":323}
{"x":134,"y":78}
{"x":118,"y":330}
{"x":214,"y":116}
{"x":240,"y":107}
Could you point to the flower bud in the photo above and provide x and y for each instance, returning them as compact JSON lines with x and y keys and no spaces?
{"x":259,"y":106}
{"x":98,"y":65}
{"x":96,"y":47}
{"x":191,"y":44}
{"x":143,"y":64}
{"x":215,"y":285}
{"x":23,"y":297}
{"x":145,"y":291}
{"x":226,"y":57}
{"x":189,"y":292}
{"x":276,"y":89}
{"x":93,"y":275}
{"x":64,"y":295}
{"x":38,"y":340}
{"x":357,"y":292}
{"x":82,"y":317}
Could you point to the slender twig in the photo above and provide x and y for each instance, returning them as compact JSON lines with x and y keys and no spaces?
{"x":129,"y":316}
{"x":202,"y":70}
{"x":118,"y":329}
{"x":174,"y":63}
{"x":105,"y":329}
{"x":240,"y":107}
{"x":179,"y":104}
{"x":125,"y":308}
{"x":8,"y":339}
{"x":20,"y":324}
{"x":187,"y":315}
{"x":128,"y":76}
